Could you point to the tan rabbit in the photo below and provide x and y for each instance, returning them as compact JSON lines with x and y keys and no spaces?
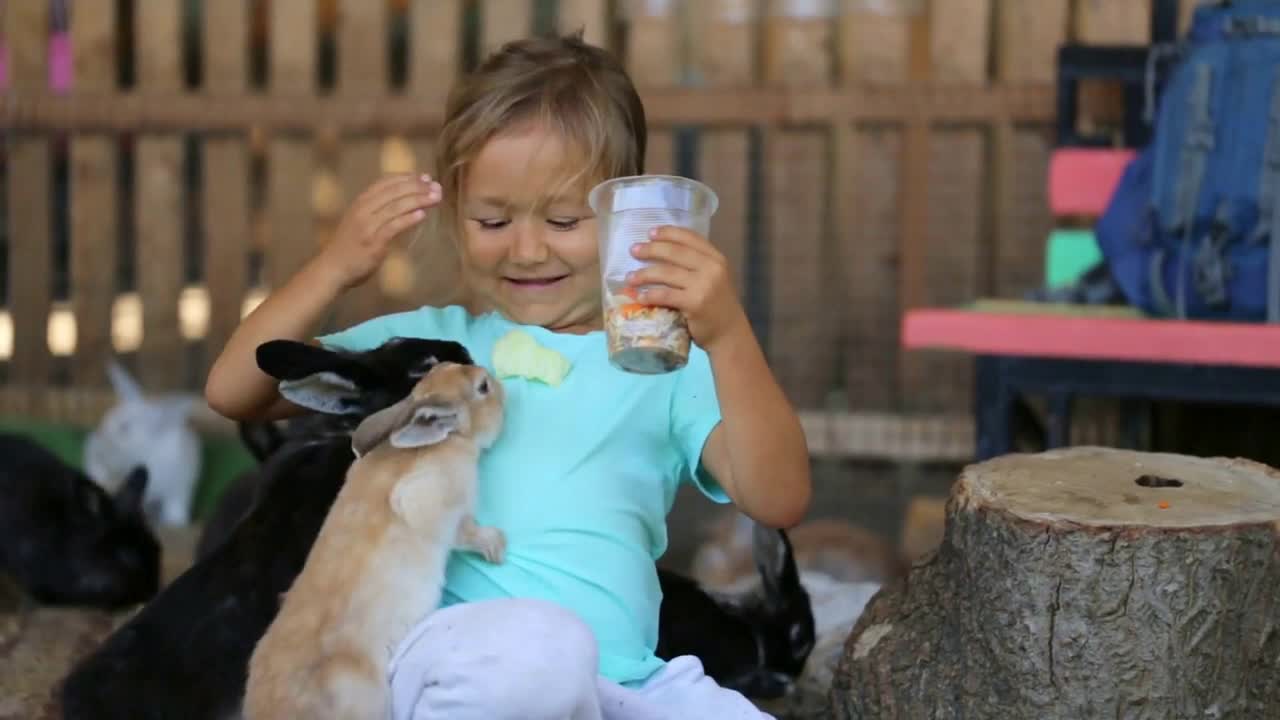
{"x":377,"y":566}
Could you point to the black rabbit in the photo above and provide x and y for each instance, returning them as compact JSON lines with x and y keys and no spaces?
{"x":756,"y":643}
{"x":262,"y":439}
{"x":185,"y":654}
{"x":64,"y":540}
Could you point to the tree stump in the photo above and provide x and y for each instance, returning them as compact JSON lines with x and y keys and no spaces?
{"x":1083,"y":583}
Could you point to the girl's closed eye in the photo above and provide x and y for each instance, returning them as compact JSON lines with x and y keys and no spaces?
{"x":492,"y":223}
{"x":563,"y":223}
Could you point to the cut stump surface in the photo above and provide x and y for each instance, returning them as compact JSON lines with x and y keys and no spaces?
{"x":1082,"y":583}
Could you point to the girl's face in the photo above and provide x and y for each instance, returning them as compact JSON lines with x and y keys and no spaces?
{"x":532,"y":260}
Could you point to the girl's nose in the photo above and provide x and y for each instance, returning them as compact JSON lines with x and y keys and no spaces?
{"x":528,"y":246}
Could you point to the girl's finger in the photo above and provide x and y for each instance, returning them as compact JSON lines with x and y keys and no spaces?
{"x":682,"y":236}
{"x":674,"y":298}
{"x":381,"y":185}
{"x":378,"y":195}
{"x":666,"y":251}
{"x":397,"y":225}
{"x":408,"y":203}
{"x":672,"y":276}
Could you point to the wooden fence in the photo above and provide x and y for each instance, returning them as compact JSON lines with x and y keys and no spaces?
{"x":870,"y":156}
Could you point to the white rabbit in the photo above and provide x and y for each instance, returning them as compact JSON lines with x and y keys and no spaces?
{"x":150,"y":431}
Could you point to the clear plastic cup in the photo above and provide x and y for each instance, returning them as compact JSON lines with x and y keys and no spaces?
{"x":644,"y":339}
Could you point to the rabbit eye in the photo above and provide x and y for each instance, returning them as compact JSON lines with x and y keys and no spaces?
{"x":483,"y":387}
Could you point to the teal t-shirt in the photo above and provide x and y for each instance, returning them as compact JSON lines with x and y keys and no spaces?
{"x":581,"y":478}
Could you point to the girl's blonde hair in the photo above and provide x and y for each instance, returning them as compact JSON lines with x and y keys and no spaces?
{"x":580,"y":91}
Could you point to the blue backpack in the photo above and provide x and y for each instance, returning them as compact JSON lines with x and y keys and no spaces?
{"x":1193,"y":228}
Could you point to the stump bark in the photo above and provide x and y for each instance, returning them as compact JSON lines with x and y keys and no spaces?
{"x":1083,"y":583}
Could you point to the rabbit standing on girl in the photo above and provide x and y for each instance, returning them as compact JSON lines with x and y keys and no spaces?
{"x":378,"y":565}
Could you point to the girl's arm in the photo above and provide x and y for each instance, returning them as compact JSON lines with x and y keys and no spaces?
{"x":758,"y":452}
{"x":236,"y":387}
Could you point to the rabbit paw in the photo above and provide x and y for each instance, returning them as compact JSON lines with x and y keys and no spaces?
{"x":488,"y":541}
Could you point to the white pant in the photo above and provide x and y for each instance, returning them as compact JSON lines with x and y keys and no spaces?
{"x":534,"y":660}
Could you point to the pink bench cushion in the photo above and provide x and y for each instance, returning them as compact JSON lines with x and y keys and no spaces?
{"x":1081,"y":180}
{"x":1118,"y":338}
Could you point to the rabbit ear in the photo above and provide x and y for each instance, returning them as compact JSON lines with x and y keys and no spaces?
{"x":296,"y":360}
{"x":378,"y":426}
{"x":312,"y":376}
{"x":262,"y":438}
{"x":126,"y":388}
{"x":778,"y":572}
{"x":408,"y":423}
{"x":742,"y":531}
{"x":325,"y":391}
{"x":129,"y":497}
{"x":430,"y":423}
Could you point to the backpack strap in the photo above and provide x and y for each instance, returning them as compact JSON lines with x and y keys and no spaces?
{"x":1196,"y":145}
{"x":1269,"y":203}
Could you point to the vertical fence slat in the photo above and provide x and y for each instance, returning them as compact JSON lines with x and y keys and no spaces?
{"x":226,"y":176}
{"x":954,"y":234}
{"x":1107,"y":22}
{"x":158,"y":201}
{"x":435,"y":52}
{"x":94,"y":214}
{"x":362,"y":77}
{"x":1113,"y":22}
{"x":1029,"y":33}
{"x":591,"y":16}
{"x":435,"y":27}
{"x":504,"y":20}
{"x":653,"y":41}
{"x":30,"y":241}
{"x":875,"y":42}
{"x":653,"y":61}
{"x":725,"y":58}
{"x":913,"y":223}
{"x":291,"y":161}
{"x":797,"y":53}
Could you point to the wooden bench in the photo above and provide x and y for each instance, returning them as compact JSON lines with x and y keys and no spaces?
{"x":1063,"y":352}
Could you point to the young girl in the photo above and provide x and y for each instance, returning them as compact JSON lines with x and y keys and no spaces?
{"x":585,"y":472}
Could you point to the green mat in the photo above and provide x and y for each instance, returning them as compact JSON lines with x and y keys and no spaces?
{"x":1069,"y":253}
{"x":222,"y":457}
{"x":1029,"y":307}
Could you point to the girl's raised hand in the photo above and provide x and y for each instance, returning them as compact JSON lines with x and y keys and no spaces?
{"x":378,"y":215}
